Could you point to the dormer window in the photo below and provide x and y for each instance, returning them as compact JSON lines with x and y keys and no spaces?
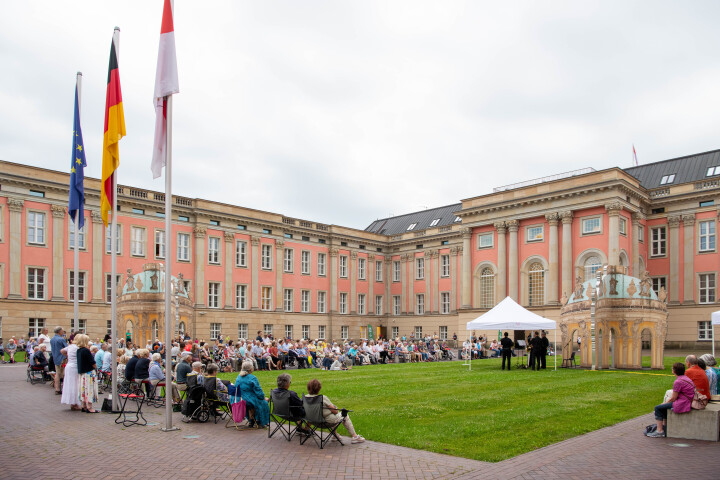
{"x":713,"y":171}
{"x":458,"y":219}
{"x":434,"y":222}
{"x":667,"y":179}
{"x":412,"y":226}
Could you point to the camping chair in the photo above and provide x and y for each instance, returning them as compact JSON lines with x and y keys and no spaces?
{"x":280,"y":414}
{"x":220,"y":409}
{"x":316,"y":421}
{"x":569,"y":362}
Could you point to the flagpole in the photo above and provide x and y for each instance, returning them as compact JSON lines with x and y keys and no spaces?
{"x":168,"y":269}
{"x":76,"y":253}
{"x":113,"y":263}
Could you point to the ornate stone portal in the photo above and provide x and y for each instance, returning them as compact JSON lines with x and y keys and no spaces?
{"x":627,"y":312}
{"x":141,"y":306}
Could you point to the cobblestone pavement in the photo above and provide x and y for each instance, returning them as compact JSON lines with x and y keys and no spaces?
{"x":43,"y":439}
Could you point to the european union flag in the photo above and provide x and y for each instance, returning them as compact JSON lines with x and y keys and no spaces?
{"x":77,"y":174}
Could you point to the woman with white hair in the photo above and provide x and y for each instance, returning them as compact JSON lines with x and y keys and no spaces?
{"x":711,"y":372}
{"x":247,"y":386}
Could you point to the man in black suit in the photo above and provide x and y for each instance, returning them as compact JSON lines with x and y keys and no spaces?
{"x":536,"y":351}
{"x":507,"y":345}
{"x":545,"y":343}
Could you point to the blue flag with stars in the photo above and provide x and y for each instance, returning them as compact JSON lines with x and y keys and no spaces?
{"x":77,"y":174}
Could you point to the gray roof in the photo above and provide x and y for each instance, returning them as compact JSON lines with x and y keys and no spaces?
{"x":691,"y":168}
{"x":422,"y":219}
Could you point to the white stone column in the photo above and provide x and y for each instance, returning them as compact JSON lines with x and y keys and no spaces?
{"x":229,"y":263}
{"x":513,"y":273}
{"x":98,"y":249}
{"x":254,"y":295}
{"x":688,"y":264}
{"x":501,"y":277}
{"x":199,"y":232}
{"x":636,"y":226}
{"x":333,"y":279}
{"x":613,"y":211}
{"x":15,"y":205}
{"x":466,"y":269}
{"x":435,"y":281}
{"x":567,"y":261}
{"x":454,"y":251}
{"x":353,"y":282}
{"x":57,"y":240}
{"x":552,"y":296}
{"x":279,"y":268}
{"x":674,"y":280}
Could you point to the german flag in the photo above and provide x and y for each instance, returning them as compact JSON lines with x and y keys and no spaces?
{"x":114,"y":131}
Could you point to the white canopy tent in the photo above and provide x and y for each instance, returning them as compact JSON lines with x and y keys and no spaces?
{"x":714,"y":320}
{"x":508,"y":315}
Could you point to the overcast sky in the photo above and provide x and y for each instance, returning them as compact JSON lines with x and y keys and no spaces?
{"x":343,"y":112}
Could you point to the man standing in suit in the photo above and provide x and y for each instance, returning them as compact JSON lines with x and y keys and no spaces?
{"x":542,"y":353}
{"x":507,"y":345}
{"x":536,"y":351}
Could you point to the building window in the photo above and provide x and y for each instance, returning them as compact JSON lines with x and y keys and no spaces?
{"x":705,"y":330}
{"x":288,"y":260}
{"x":241,"y":297}
{"x":266,"y":257}
{"x":444,"y":265}
{"x":321,"y":296}
{"x":81,"y":236}
{"x":183,"y":218}
{"x":118,"y":240}
{"x":305,"y":329}
{"x":35,"y":326}
{"x":361,"y":266}
{"x":487,"y":288}
{"x":108,"y":286}
{"x":305,"y":301}
{"x":361,"y":304}
{"x":343,"y":302}
{"x":434,"y":222}
{"x":186,"y":286}
{"x":80,"y":326}
{"x":137,"y":241}
{"x":109,"y":327}
{"x":81,"y":286}
{"x":183,"y":247}
{"x":445,"y":302}
{"x":396,"y":271}
{"x":321,"y":264}
{"x":592,"y":264}
{"x":395,"y":332}
{"x":667,"y":179}
{"x":213,"y":294}
{"x":707,"y":236}
{"x":536,"y":285}
{"x":288,"y":331}
{"x":215,"y":331}
{"x":713,"y":171}
{"x":139,"y":211}
{"x":658,"y":241}
{"x":36,"y":284}
{"x":396,"y":304}
{"x":266,"y":298}
{"x":378,"y":304}
{"x":706,"y":203}
{"x":288,"y":300}
{"x":485,"y":240}
{"x":344,"y":332}
{"x":420,"y":304}
{"x":214,"y":250}
{"x":305,"y":259}
{"x":268,"y":329}
{"x":534,"y":233}
{"x":159,"y":244}
{"x":379,"y":271}
{"x":154,"y":329}
{"x":443,"y":333}
{"x":321,"y":332}
{"x":659,"y":282}
{"x":215,"y":223}
{"x":240,"y":254}
{"x":343,"y":266}
{"x":591,"y":225}
{"x":418,"y":332}
{"x":36,"y":228}
{"x":707,"y":287}
{"x":419,"y":268}
{"x":243,"y":330}
{"x":622,"y":226}
{"x":641,"y":234}
{"x":411,"y":227}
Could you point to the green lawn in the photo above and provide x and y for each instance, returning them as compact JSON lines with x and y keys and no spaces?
{"x":484,"y":414}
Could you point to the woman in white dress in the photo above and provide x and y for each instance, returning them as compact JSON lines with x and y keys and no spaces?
{"x":70,"y":384}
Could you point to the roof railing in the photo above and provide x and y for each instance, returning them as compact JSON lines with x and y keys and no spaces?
{"x":549,"y":178}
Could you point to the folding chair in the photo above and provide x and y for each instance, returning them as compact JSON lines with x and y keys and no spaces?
{"x":316,"y":421}
{"x":569,"y":362}
{"x":280,"y":414}
{"x":137,"y":395}
{"x":220,"y":409}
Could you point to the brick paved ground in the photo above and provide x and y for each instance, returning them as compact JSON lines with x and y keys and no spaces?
{"x":39,"y":436}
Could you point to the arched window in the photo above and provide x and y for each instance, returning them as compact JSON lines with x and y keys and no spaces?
{"x":154,"y":330}
{"x":536,"y":285}
{"x":487,"y":288}
{"x":592,"y":264}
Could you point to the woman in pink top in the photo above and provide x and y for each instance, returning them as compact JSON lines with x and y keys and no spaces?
{"x":680,"y":400}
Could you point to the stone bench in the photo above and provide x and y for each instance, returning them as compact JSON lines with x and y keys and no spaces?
{"x":695,"y":425}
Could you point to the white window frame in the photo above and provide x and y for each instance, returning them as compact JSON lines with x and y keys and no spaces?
{"x":343,"y":303}
{"x":71,"y":236}
{"x":241,"y":254}
{"x":215,"y":330}
{"x":705,"y":332}
{"x":707,"y":287}
{"x":418,"y":331}
{"x":411,"y":227}
{"x":378,"y":270}
{"x":81,"y":325}
{"x":361,"y":306}
{"x":485,"y":240}
{"x":183,"y":247}
{"x":82,"y":288}
{"x":395,"y":332}
{"x":622,"y":226}
{"x":396,"y":271}
{"x":36,"y":227}
{"x":344,"y":332}
{"x":537,"y":237}
{"x":289,"y":260}
{"x":266,"y":298}
{"x":213,"y":250}
{"x":597,"y":224}
{"x":268,"y":329}
{"x":443,"y":332}
{"x":434,"y":222}
{"x":378,"y":304}
{"x":305,"y":261}
{"x":397,"y":305}
{"x":667,"y":179}
{"x":420,"y":304}
{"x":138,"y":237}
{"x":35,"y":326}
{"x":243,"y":330}
{"x":444,"y":266}
{"x":213,"y":295}
{"x":33,"y":285}
{"x":362,"y":268}
{"x":160,"y":244}
{"x":108,"y":286}
{"x":445,"y":303}
{"x":305,"y":301}
{"x":118,"y":240}
{"x":321,"y":264}
{"x":419,"y":268}
{"x":305,"y":332}
{"x":321,"y":302}
{"x":658,"y":247}
{"x":321,"y":332}
{"x":657,"y":282}
{"x":343,"y":266}
{"x":707,"y":240}
{"x":266,"y":256}
{"x":241,"y":297}
{"x":288,"y":300}
{"x":288,"y":331}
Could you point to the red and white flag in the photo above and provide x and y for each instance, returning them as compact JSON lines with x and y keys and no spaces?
{"x":166,"y":83}
{"x":635,"y":161}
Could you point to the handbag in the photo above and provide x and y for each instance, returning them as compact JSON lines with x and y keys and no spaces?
{"x":238,"y":409}
{"x":699,"y":401}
